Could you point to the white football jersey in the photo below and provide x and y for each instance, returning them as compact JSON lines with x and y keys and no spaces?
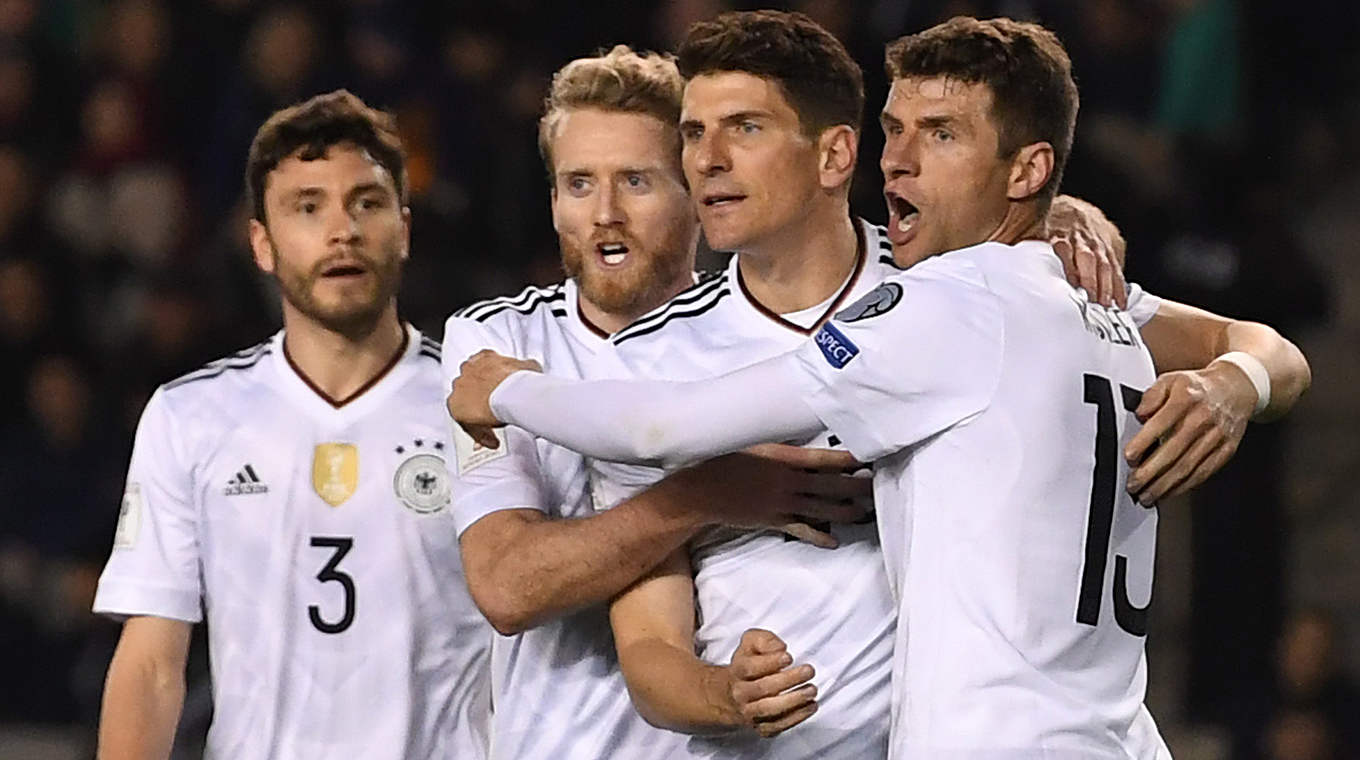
{"x":314,"y":540}
{"x":557,"y":688}
{"x":832,"y":607}
{"x":998,"y":401}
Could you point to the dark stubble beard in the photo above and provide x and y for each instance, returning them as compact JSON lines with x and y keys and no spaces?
{"x":355,"y":318}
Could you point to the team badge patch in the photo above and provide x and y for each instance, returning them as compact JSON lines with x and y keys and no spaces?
{"x":878,"y":301}
{"x":471,"y":455}
{"x":129,"y":518}
{"x":422,"y":483}
{"x":837,"y":348}
{"x":335,"y":472}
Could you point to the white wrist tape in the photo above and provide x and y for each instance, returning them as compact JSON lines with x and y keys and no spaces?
{"x":1256,"y":373}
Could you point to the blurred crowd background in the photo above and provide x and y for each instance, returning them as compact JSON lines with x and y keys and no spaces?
{"x":1222,"y":135}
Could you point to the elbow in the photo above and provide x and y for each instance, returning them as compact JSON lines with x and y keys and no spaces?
{"x":508,"y":613}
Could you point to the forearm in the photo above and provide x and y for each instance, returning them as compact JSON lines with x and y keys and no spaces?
{"x":675,"y":690}
{"x":550,"y":567}
{"x":658,"y":422}
{"x":141,"y":708}
{"x":1183,"y":337}
{"x":1289,"y":373}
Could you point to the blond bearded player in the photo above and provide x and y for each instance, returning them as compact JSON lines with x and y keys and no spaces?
{"x":290,"y":494}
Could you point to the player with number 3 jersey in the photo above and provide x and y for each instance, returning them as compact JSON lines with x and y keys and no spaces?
{"x":295,"y":497}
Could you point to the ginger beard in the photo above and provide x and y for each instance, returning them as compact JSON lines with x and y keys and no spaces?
{"x":647,"y":277}
{"x":345,"y":292}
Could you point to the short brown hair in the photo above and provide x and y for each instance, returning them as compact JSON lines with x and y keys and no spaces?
{"x":1034,"y":98}
{"x":619,"y":80}
{"x":315,"y":125}
{"x":818,"y":77}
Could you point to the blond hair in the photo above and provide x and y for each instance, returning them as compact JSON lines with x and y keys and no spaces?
{"x":619,"y":80}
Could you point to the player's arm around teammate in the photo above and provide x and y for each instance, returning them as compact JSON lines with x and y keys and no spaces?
{"x":144,"y":690}
{"x":1216,"y":374}
{"x":524,"y":567}
{"x":1200,"y":405}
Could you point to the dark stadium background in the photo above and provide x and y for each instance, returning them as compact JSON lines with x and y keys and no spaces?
{"x":1223,"y":136}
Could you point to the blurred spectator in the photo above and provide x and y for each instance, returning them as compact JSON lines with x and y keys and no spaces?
{"x":1309,"y":706}
{"x":61,"y":470}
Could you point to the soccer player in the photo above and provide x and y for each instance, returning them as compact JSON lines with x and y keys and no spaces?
{"x":993,"y":399}
{"x":541,"y":560}
{"x":290,"y":494}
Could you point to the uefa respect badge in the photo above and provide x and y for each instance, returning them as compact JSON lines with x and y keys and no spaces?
{"x":837,"y":348}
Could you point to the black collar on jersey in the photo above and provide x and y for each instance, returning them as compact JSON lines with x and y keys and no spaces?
{"x":835,"y":304}
{"x":366,"y":387}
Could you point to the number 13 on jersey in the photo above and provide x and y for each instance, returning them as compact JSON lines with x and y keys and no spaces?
{"x":1105,"y":491}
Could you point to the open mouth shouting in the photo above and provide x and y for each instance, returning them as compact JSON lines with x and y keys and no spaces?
{"x":902,"y":218}
{"x":612,"y":254}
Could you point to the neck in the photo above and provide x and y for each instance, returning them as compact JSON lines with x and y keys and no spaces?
{"x":337,"y":364}
{"x":1021,"y":222}
{"x":611,"y":321}
{"x":803,"y":265}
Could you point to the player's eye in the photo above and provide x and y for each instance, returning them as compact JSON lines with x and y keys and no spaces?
{"x":308,"y":207}
{"x":943,"y":135}
{"x":635,"y":180}
{"x":369,"y":203}
{"x":578,"y":185}
{"x":748,"y":127}
{"x":691,"y":133}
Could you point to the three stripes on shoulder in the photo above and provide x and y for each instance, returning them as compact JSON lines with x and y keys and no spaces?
{"x":690,"y":303}
{"x":554,"y":296}
{"x":243,"y":359}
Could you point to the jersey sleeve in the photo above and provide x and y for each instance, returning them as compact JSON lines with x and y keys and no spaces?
{"x":154,"y":566}
{"x":916,"y":356}
{"x":1142,"y":304}
{"x":487,"y":480}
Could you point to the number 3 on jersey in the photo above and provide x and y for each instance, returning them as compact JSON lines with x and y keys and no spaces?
{"x":330,"y":573}
{"x":1100,"y":520}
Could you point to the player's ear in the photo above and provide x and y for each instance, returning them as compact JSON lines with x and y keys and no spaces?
{"x":837,"y":151}
{"x":1030,"y":170}
{"x":261,"y":247}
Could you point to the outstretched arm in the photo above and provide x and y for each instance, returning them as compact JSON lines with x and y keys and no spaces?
{"x":649,"y":422}
{"x":1216,"y":374}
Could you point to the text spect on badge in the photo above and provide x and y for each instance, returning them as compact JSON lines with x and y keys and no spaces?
{"x":837,"y":348}
{"x":470,"y":455}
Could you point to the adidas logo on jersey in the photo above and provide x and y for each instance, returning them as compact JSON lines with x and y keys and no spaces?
{"x":245,"y":482}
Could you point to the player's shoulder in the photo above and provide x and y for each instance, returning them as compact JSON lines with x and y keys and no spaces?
{"x":690,"y":307}
{"x":509,"y":324}
{"x":222,"y":388}
{"x":235,"y":369}
{"x":532,"y":302}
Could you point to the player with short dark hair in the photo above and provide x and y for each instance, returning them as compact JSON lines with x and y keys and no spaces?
{"x":292,"y":495}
